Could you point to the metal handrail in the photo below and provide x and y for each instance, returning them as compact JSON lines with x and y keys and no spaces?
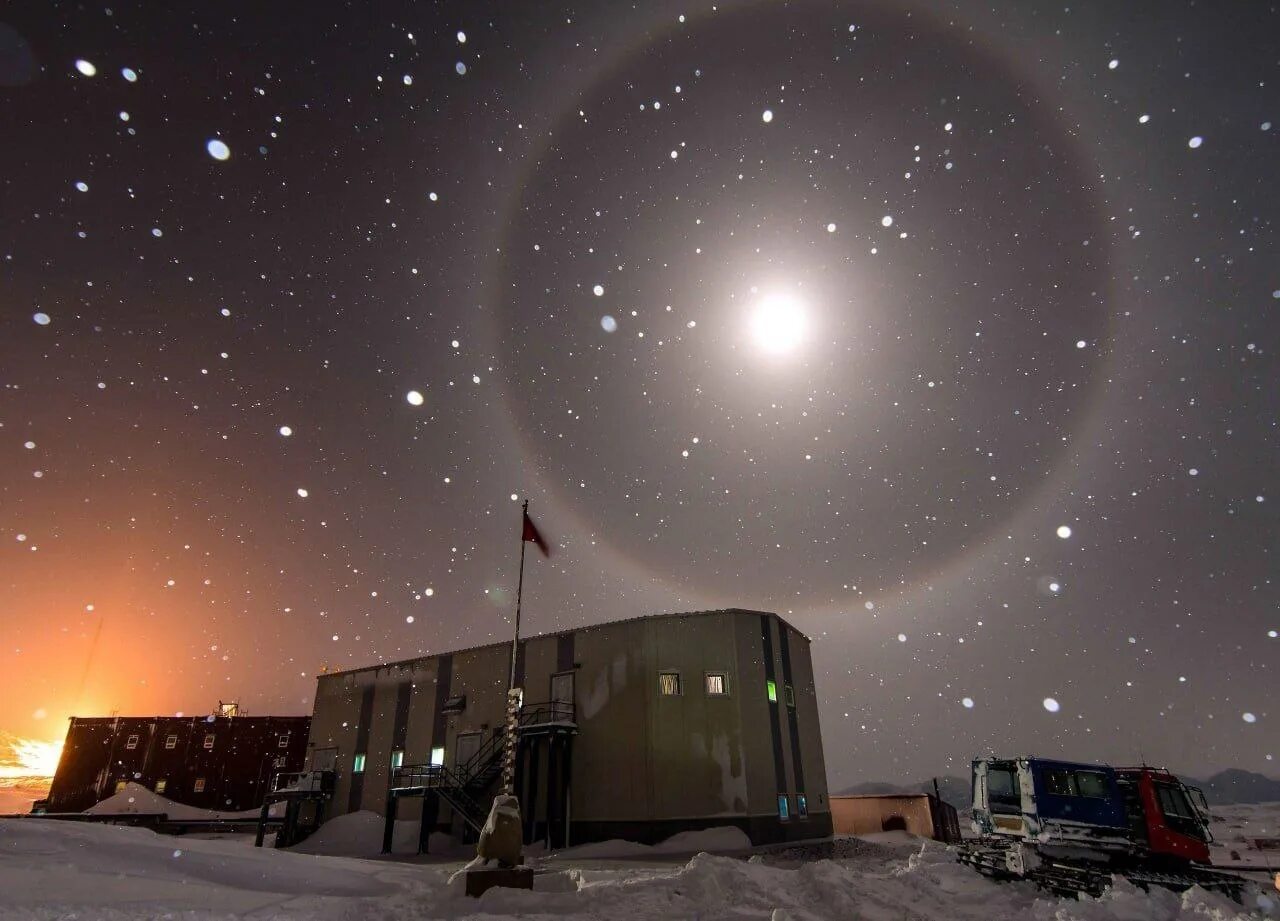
{"x":462,"y":775}
{"x":539,"y":714}
{"x":303,"y":781}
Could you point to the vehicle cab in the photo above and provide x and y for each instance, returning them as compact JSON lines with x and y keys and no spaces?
{"x":1167,"y":817}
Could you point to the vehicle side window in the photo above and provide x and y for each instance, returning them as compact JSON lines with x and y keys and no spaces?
{"x":1092,"y":783}
{"x":1173,"y":803}
{"x":1057,"y":782}
{"x":1001,"y":784}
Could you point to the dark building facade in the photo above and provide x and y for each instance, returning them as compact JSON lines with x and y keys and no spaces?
{"x":637,"y":729}
{"x":223,"y":763}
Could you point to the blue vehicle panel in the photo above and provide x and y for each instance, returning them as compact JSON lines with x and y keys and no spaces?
{"x":1073,"y":792}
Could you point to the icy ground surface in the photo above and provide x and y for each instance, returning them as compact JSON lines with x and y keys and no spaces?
{"x":51,"y":869}
{"x":1238,"y":826}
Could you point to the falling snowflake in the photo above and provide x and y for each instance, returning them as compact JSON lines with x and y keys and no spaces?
{"x":129,"y":74}
{"x":218,"y":150}
{"x":608,"y":324}
{"x":1064,"y":531}
{"x":286,"y":431}
{"x":42,"y":319}
{"x":598,"y":290}
{"x":1195,"y":142}
{"x":460,"y":68}
{"x":967,"y":702}
{"x":86,"y":67}
{"x":766,"y":116}
{"x":302,"y":493}
{"x":415,"y":398}
{"x":831,"y":228}
{"x":1051,"y":705}
{"x":886,"y":221}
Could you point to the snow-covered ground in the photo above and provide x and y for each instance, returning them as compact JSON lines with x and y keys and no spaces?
{"x":51,"y":869}
{"x":1235,"y":828}
{"x":136,"y":799}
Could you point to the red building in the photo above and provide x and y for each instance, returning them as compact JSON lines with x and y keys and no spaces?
{"x":223,"y":762}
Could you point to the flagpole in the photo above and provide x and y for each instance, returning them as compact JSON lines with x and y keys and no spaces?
{"x":515,"y":642}
{"x":513,"y":696}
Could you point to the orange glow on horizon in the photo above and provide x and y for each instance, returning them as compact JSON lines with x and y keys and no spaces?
{"x":30,"y":758}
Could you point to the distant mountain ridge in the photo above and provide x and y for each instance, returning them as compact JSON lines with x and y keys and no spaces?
{"x":1236,"y":786}
{"x":1224,"y":788}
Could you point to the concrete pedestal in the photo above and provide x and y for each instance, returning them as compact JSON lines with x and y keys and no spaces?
{"x":480,"y":881}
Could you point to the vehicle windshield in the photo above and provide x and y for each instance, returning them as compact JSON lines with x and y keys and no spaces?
{"x":1179,"y":814}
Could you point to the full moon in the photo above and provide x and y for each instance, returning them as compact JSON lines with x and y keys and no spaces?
{"x":778,"y":323}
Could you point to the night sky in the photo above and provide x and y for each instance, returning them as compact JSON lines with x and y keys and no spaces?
{"x":944,"y":332}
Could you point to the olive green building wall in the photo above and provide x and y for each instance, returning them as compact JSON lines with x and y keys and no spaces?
{"x":644,"y":764}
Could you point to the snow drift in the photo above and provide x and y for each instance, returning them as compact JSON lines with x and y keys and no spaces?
{"x":51,"y":869}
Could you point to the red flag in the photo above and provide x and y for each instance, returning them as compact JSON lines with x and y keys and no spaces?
{"x":531,"y":533}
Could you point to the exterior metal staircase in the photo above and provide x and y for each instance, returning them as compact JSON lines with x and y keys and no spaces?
{"x":466,"y":786}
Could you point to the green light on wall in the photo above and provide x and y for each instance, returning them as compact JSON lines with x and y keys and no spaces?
{"x":773,"y":691}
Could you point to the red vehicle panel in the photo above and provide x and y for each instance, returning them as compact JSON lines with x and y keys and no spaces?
{"x":1174,"y":829}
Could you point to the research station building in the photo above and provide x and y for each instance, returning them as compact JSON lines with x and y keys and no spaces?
{"x":224,"y":761}
{"x":637,"y":729}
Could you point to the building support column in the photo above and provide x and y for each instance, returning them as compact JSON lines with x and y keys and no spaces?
{"x":428,"y":823}
{"x":553,"y":790}
{"x":389,"y":829}
{"x":262,"y":822}
{"x":568,"y":790}
{"x":530,"y":803}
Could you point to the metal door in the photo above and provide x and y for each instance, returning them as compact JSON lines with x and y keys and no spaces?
{"x":466,"y":746}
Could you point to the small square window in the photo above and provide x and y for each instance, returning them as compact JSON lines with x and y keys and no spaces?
{"x":772,"y":688}
{"x":282,"y":741}
{"x":802,"y":805}
{"x":160,"y":785}
{"x":717,"y":684}
{"x":358,"y":766}
{"x":669,"y":684}
{"x":280,"y":762}
{"x":784,"y":807}
{"x":397,"y":759}
{"x":208,"y":742}
{"x":791,"y":695}
{"x":198,"y":786}
{"x":131,"y":742}
{"x":437,"y":756}
{"x":170,"y":742}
